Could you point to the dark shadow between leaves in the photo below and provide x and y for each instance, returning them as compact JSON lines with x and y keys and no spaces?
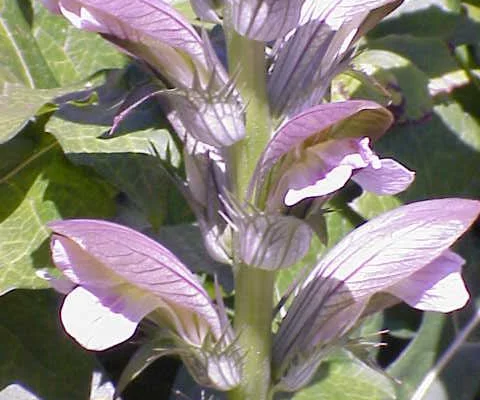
{"x":142,"y":178}
{"x":101,"y":104}
{"x":444,"y":164}
{"x":36,"y":353}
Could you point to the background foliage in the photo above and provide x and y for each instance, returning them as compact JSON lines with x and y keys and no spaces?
{"x":60,"y":89}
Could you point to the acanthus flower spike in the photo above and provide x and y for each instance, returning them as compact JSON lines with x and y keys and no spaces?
{"x":404,"y":253}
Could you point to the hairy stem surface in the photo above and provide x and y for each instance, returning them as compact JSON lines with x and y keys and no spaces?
{"x":253,"y":287}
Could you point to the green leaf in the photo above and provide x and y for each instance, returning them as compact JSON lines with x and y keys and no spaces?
{"x":71,"y":54}
{"x":35,"y":190}
{"x":19,"y":53}
{"x":19,"y":104}
{"x":36,"y":354}
{"x":411,"y":17}
{"x":430,"y":55}
{"x":345,"y":377}
{"x":369,"y":205}
{"x":421,"y":354}
{"x":57,"y":54}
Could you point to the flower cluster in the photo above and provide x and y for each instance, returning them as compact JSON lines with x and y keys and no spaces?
{"x":118,"y":276}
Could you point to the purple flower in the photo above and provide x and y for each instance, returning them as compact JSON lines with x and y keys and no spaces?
{"x":315,"y":153}
{"x":150,"y":30}
{"x":123,"y":276}
{"x":403,"y":253}
{"x":119,"y":277}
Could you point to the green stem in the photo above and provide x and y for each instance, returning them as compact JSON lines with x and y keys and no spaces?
{"x":246,"y":60}
{"x":253,"y":324}
{"x":253,"y":287}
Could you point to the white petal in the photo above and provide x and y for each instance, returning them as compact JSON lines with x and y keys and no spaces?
{"x":330,"y":182}
{"x":93,"y":325}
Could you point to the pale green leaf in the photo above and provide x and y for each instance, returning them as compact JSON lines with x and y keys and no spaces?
{"x":369,"y":205}
{"x":19,"y":104}
{"x":405,"y":84}
{"x":35,"y":190}
{"x":345,"y":377}
{"x":19,"y":53}
{"x":71,"y":54}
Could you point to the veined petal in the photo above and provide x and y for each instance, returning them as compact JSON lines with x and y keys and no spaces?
{"x":205,"y":10}
{"x":139,"y":262}
{"x":396,"y":244}
{"x":436,"y":287}
{"x":272,"y":241}
{"x":295,"y":375}
{"x":92,"y":324}
{"x":141,"y":27}
{"x":79,"y":266}
{"x":215,"y":119}
{"x":391,"y":178}
{"x":304,"y":66}
{"x":207,"y":180}
{"x":334,"y":12}
{"x":373,"y":258}
{"x":321,"y":169}
{"x":265,"y":20}
{"x":319,"y":49}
